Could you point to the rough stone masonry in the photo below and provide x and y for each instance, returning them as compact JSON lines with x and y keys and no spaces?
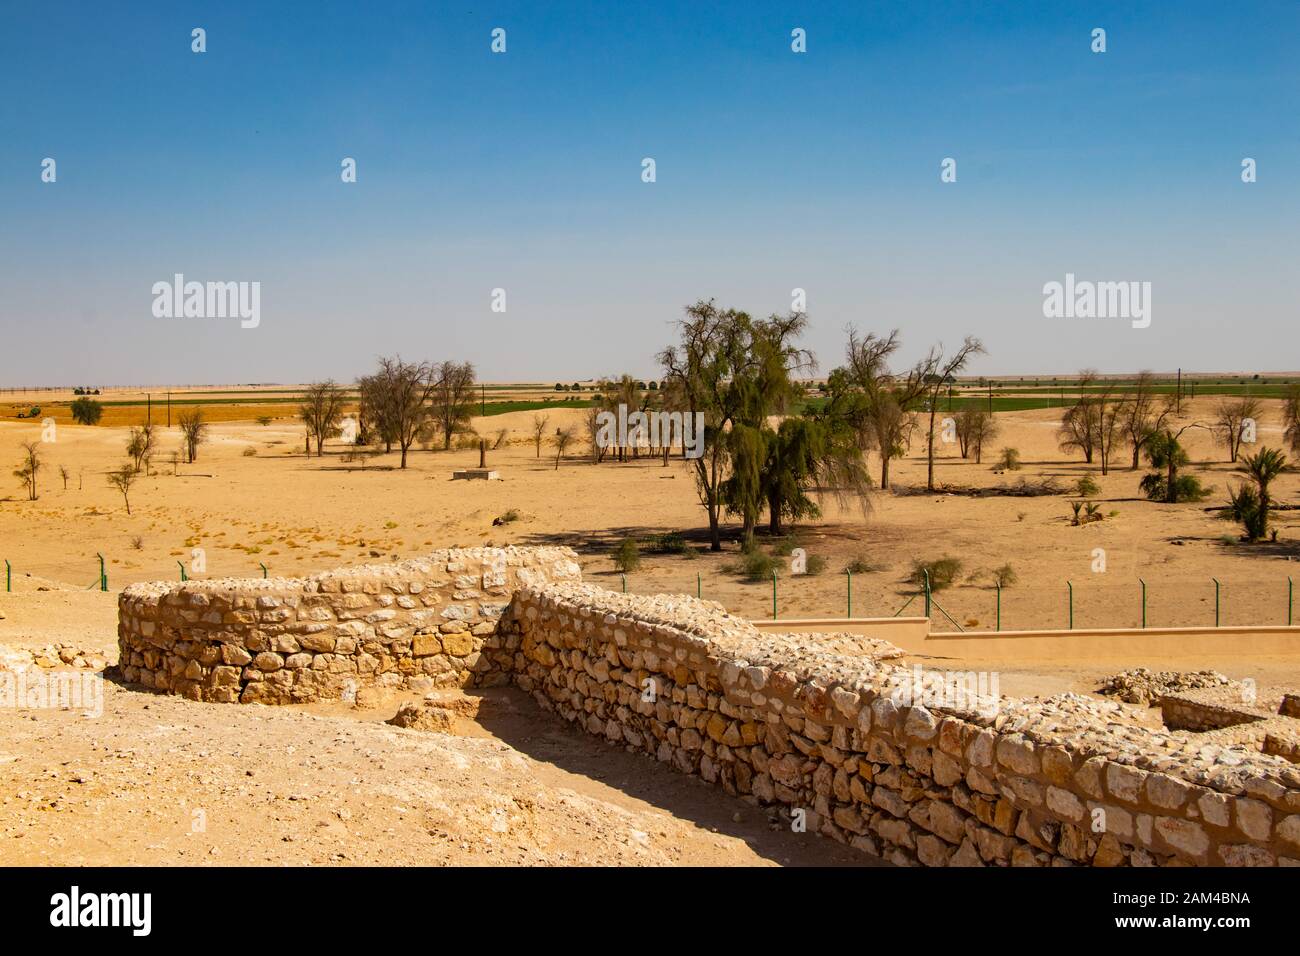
{"x":412,"y":625}
{"x":780,"y":719}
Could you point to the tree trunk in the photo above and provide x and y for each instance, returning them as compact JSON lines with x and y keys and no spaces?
{"x":929,"y":452}
{"x":884,"y":472}
{"x":773,"y":514}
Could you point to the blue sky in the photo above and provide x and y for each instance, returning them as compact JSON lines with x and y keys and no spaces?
{"x":775,"y":170}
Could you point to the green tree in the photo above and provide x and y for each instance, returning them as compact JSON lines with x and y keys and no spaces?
{"x":1262,"y":468}
{"x":87,"y":411}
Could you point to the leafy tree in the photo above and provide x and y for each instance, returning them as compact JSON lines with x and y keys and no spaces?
{"x":87,"y":411}
{"x":1253,"y":510}
{"x":1165,"y":451}
{"x":734,"y":371}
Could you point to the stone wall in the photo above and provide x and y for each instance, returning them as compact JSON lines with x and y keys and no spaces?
{"x":412,"y":625}
{"x":783,"y":721}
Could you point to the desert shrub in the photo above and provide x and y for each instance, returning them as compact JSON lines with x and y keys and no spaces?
{"x":627,"y":555}
{"x":137,"y":543}
{"x":861,"y":565}
{"x":943,"y":572}
{"x":671,"y":543}
{"x":784,"y":547}
{"x":263,"y":420}
{"x":1004,"y":576}
{"x":1085,"y":487}
{"x":816,"y":564}
{"x":249,"y":452}
{"x":510,"y":516}
{"x":757,"y":566}
{"x":1186,"y":488}
{"x":1009,"y":459}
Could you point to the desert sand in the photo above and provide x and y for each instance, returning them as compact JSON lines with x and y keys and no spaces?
{"x":322,"y":784}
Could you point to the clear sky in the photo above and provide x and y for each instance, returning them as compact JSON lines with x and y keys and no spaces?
{"x":522,"y":171}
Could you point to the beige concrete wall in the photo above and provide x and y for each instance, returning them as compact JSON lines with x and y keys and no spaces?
{"x":1137,"y":644}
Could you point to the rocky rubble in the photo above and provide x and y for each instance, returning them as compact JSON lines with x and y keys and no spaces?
{"x":1145,"y":686}
{"x":51,"y":657}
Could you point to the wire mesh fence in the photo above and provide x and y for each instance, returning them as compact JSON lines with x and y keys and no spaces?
{"x":1090,"y":602}
{"x":1097,"y":601}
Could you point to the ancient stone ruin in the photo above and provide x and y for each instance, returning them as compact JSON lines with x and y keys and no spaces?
{"x":845,"y":739}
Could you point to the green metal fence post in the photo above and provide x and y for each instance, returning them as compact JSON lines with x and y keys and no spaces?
{"x":999,"y":624}
{"x":103,"y":577}
{"x":849,"y":576}
{"x":1144,"y":602}
{"x":1216,"y":601}
{"x":1070,"y":585}
{"x":1290,"y":593}
{"x":181,"y":564}
{"x":263,"y":569}
{"x":624,"y":577}
{"x":774,"y":595}
{"x":9,"y":582}
{"x":926,"y":573}
{"x":699,"y":585}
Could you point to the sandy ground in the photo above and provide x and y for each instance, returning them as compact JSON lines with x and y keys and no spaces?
{"x":298,"y":515}
{"x":338,"y":785}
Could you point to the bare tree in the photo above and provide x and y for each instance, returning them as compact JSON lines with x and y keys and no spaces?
{"x":30,"y":467}
{"x":194,"y":432}
{"x":452,"y":398}
{"x":563,"y":438}
{"x":122,"y":479}
{"x":321,"y":410}
{"x":1230,"y":420}
{"x":593,"y":426}
{"x":1143,"y":414}
{"x":141,"y":443}
{"x":939,"y":372}
{"x":375,"y":415}
{"x":409,"y":386}
{"x":889,"y":401}
{"x":975,"y":428}
{"x":539,"y":431}
{"x":1079,"y":422}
